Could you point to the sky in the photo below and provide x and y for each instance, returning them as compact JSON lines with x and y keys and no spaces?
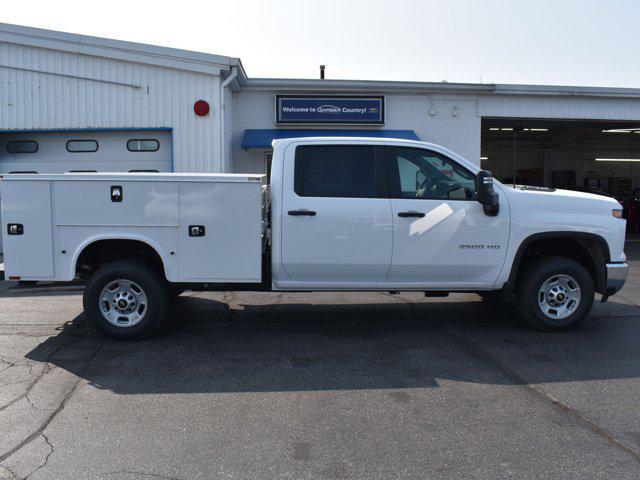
{"x":561,"y":42}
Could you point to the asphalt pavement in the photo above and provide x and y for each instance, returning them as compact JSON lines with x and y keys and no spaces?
{"x":320,"y":386}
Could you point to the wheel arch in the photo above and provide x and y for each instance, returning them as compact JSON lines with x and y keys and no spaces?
{"x":110,"y":247}
{"x":589,"y":249}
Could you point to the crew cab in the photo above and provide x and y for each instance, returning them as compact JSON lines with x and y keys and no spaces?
{"x":338,"y":214}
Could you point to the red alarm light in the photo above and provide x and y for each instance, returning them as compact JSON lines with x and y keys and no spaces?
{"x":201,"y":108}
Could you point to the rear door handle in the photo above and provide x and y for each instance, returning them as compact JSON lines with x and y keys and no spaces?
{"x":412,"y":213}
{"x":297,"y":213}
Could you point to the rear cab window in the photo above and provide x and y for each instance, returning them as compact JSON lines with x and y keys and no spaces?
{"x":339,"y":171}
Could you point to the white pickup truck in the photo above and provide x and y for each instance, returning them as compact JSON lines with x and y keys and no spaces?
{"x":339,"y":214}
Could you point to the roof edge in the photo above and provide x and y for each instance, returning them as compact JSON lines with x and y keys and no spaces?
{"x":450,"y":87}
{"x":566,"y":90}
{"x":380,"y":85}
{"x":117,"y":49}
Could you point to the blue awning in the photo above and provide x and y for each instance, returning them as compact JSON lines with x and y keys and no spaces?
{"x":259,"y":138}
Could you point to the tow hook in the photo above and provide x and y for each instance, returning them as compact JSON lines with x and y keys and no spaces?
{"x":604,"y":298}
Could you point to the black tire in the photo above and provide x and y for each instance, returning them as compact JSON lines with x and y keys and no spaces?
{"x":175,"y":290}
{"x":531,"y":280}
{"x":142,"y":275}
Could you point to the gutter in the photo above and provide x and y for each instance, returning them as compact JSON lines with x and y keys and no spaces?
{"x":223,"y":118}
{"x":382,"y":86}
{"x":359,"y":85}
{"x":566,"y":91}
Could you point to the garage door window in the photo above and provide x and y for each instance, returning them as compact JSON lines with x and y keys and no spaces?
{"x":82,"y":146}
{"x":335,"y":171}
{"x":143,"y":145}
{"x":22,"y":146}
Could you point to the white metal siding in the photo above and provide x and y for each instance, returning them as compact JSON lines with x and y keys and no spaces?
{"x":562,"y":107}
{"x":43,"y":89}
{"x":252,"y":109}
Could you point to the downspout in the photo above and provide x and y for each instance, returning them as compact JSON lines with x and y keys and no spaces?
{"x":224,"y":162}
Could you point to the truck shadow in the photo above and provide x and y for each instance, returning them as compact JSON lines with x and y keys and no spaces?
{"x":210,"y":346}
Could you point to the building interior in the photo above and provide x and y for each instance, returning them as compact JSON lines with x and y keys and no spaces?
{"x":596,"y":156}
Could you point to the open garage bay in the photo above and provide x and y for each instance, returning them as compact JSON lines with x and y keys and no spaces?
{"x":590,"y":156}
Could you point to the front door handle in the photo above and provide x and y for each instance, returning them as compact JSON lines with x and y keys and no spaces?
{"x":297,"y":213}
{"x":412,"y":213}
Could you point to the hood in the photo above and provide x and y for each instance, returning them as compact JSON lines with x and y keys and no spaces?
{"x":571,"y":196}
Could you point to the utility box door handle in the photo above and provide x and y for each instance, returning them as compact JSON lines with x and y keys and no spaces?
{"x":196,"y":230}
{"x":15,"y":229}
{"x":116,"y":193}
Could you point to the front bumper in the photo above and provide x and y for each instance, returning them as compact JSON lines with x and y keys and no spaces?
{"x":616,"y":276}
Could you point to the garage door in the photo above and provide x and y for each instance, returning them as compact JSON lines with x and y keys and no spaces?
{"x":100,"y":151}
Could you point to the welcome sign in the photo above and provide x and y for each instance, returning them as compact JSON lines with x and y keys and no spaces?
{"x":349,"y":109}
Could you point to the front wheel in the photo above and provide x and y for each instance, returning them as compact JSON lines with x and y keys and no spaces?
{"x":554,"y":293}
{"x":126,"y":299}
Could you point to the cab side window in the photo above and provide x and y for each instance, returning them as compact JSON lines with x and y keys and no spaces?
{"x":335,"y":171}
{"x":423,"y":174}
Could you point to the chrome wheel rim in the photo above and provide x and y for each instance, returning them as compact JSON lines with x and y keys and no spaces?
{"x":559,"y":296}
{"x":123,"y":303}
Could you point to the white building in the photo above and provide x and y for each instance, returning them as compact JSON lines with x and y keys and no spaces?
{"x":73,"y":102}
{"x":56,"y":87}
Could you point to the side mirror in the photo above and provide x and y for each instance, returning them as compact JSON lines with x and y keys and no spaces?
{"x":486,"y":196}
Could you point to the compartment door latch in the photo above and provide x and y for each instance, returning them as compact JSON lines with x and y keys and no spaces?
{"x":15,"y":229}
{"x":116,"y":193}
{"x":196,"y":230}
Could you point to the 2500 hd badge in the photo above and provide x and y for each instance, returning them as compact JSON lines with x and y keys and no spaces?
{"x":479,"y":246}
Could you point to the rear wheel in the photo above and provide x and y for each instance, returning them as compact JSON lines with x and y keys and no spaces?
{"x":554,"y":293}
{"x":126,"y":299}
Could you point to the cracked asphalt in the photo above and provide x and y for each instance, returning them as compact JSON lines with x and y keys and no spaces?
{"x":319,"y":386}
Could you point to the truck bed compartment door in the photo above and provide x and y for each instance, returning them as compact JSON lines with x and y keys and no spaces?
{"x":28,"y":250}
{"x":220,"y":236}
